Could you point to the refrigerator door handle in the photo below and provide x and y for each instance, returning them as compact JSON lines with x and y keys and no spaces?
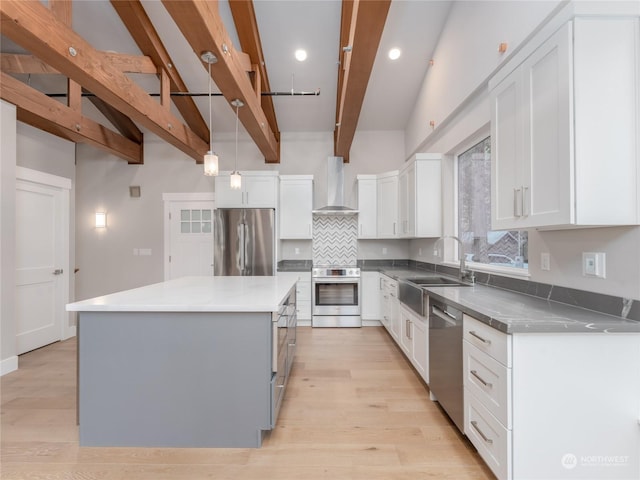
{"x":245,"y":247}
{"x":240,"y":248}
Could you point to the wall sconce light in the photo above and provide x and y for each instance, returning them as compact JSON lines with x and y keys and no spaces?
{"x":101,"y":220}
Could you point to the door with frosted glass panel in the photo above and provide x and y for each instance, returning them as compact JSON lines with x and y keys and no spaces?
{"x":191,"y":242}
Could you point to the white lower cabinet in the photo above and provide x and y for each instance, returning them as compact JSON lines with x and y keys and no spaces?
{"x":371,"y":304}
{"x":303,"y":293}
{"x":553,"y":405}
{"x":414,"y":340}
{"x":390,"y":306}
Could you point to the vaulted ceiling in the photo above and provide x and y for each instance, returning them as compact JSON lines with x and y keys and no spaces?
{"x":125,"y":67}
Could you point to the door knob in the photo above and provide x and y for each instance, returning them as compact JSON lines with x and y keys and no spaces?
{"x":58,"y":271}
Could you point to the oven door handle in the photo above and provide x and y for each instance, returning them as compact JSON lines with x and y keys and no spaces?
{"x":335,"y":280}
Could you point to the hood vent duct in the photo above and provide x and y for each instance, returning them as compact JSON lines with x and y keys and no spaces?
{"x":335,"y":190}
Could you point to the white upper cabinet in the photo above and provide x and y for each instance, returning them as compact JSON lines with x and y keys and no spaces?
{"x":259,"y":190}
{"x":420,"y":197}
{"x":367,"y":206}
{"x":388,"y":205}
{"x":564,"y":129}
{"x":296,"y":206}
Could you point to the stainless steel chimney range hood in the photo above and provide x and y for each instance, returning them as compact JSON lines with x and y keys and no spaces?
{"x":335,"y":190}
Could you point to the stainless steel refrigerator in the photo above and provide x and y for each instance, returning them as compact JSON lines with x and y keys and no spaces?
{"x":244,"y":241}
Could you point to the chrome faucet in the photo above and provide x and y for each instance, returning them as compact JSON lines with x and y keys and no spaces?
{"x":465,"y":275}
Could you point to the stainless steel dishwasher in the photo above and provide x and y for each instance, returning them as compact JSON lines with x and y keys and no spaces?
{"x":445,"y":359}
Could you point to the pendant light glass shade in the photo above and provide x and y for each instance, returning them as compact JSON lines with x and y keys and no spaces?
{"x":210,"y":164}
{"x":210,"y":158}
{"x":236,"y":178}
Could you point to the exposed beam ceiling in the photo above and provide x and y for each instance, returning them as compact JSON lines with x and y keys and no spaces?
{"x":137,"y":21}
{"x":244,"y":18}
{"x":367,"y":21}
{"x":35,"y":28}
{"x":18,"y":63}
{"x":40,"y":111}
{"x":201,"y":25}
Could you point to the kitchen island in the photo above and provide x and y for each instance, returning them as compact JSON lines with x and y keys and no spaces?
{"x":191,"y":362}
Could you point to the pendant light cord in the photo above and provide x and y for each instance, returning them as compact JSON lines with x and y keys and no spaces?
{"x":237,"y":107}
{"x":210,"y":114}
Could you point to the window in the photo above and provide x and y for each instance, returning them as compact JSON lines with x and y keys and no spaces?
{"x":481,"y":244}
{"x":195,"y":221}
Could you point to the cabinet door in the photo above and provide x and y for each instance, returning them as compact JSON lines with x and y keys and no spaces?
{"x":225,"y":196}
{"x":394,"y":313}
{"x":385,"y":303}
{"x":420,"y":347}
{"x":260,"y":191}
{"x":370,"y":295}
{"x":367,"y":209}
{"x":407,"y":202}
{"x":506,"y":153}
{"x":406,"y":332}
{"x":548,"y":140}
{"x":296,"y":199}
{"x":388,"y":207}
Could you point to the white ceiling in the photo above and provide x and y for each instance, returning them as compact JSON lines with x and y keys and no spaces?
{"x":285,"y":25}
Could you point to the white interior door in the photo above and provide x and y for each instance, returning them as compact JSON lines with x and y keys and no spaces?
{"x":42,"y":226}
{"x":191,"y":238}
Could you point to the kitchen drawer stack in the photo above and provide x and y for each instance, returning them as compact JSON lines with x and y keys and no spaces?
{"x":487,"y":361}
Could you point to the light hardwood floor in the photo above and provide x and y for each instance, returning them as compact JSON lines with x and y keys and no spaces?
{"x":354,"y":409}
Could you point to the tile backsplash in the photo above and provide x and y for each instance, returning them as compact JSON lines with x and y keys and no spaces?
{"x":335,"y":240}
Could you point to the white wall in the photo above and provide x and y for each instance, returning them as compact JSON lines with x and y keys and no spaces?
{"x":466,"y":55}
{"x":105,"y":257}
{"x":467,"y":121}
{"x":8,"y":358}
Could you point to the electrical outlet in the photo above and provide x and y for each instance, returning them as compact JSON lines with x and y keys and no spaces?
{"x":545,"y":261}
{"x":384,"y":250}
{"x":297,"y":251}
{"x":419,"y":252}
{"x":593,"y":264}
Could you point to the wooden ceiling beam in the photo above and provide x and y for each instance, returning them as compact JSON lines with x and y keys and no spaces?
{"x":44,"y":113}
{"x":365,"y":31}
{"x":121,"y":122}
{"x":244,"y":18}
{"x":35,"y":28}
{"x":139,"y":24}
{"x":201,"y":25}
{"x":21,"y":63}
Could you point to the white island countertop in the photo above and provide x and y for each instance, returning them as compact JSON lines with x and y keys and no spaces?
{"x":195,"y":294}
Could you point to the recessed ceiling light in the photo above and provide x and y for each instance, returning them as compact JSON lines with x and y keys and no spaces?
{"x":394,"y":53}
{"x":301,"y":55}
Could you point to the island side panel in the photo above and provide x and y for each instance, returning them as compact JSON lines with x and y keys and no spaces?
{"x":174,"y":379}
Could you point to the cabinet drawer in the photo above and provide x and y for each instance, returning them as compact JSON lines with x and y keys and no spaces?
{"x":489,"y":381}
{"x":488,"y":339}
{"x":303,"y":289}
{"x":488,"y":435}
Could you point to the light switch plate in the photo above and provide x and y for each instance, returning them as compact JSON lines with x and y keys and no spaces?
{"x":593,"y":264}
{"x":545,"y":261}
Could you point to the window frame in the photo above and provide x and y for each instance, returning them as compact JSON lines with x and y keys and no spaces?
{"x":461,"y":148}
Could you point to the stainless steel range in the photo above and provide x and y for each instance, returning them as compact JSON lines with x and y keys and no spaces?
{"x":335,"y":297}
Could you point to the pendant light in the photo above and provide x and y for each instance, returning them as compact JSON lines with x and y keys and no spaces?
{"x":236,"y":179}
{"x":210,"y":159}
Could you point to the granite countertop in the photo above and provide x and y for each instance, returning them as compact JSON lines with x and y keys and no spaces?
{"x":513,"y":312}
{"x":195,"y":294}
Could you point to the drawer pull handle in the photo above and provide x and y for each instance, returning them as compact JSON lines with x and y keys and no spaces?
{"x":483,"y":340}
{"x":474,"y":424}
{"x":482,"y":380}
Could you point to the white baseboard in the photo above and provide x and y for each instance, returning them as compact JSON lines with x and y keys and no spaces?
{"x":8,"y":365}
{"x":371,"y":323}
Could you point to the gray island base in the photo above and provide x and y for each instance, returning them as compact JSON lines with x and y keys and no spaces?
{"x":192,"y":362}
{"x":174,"y":379}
